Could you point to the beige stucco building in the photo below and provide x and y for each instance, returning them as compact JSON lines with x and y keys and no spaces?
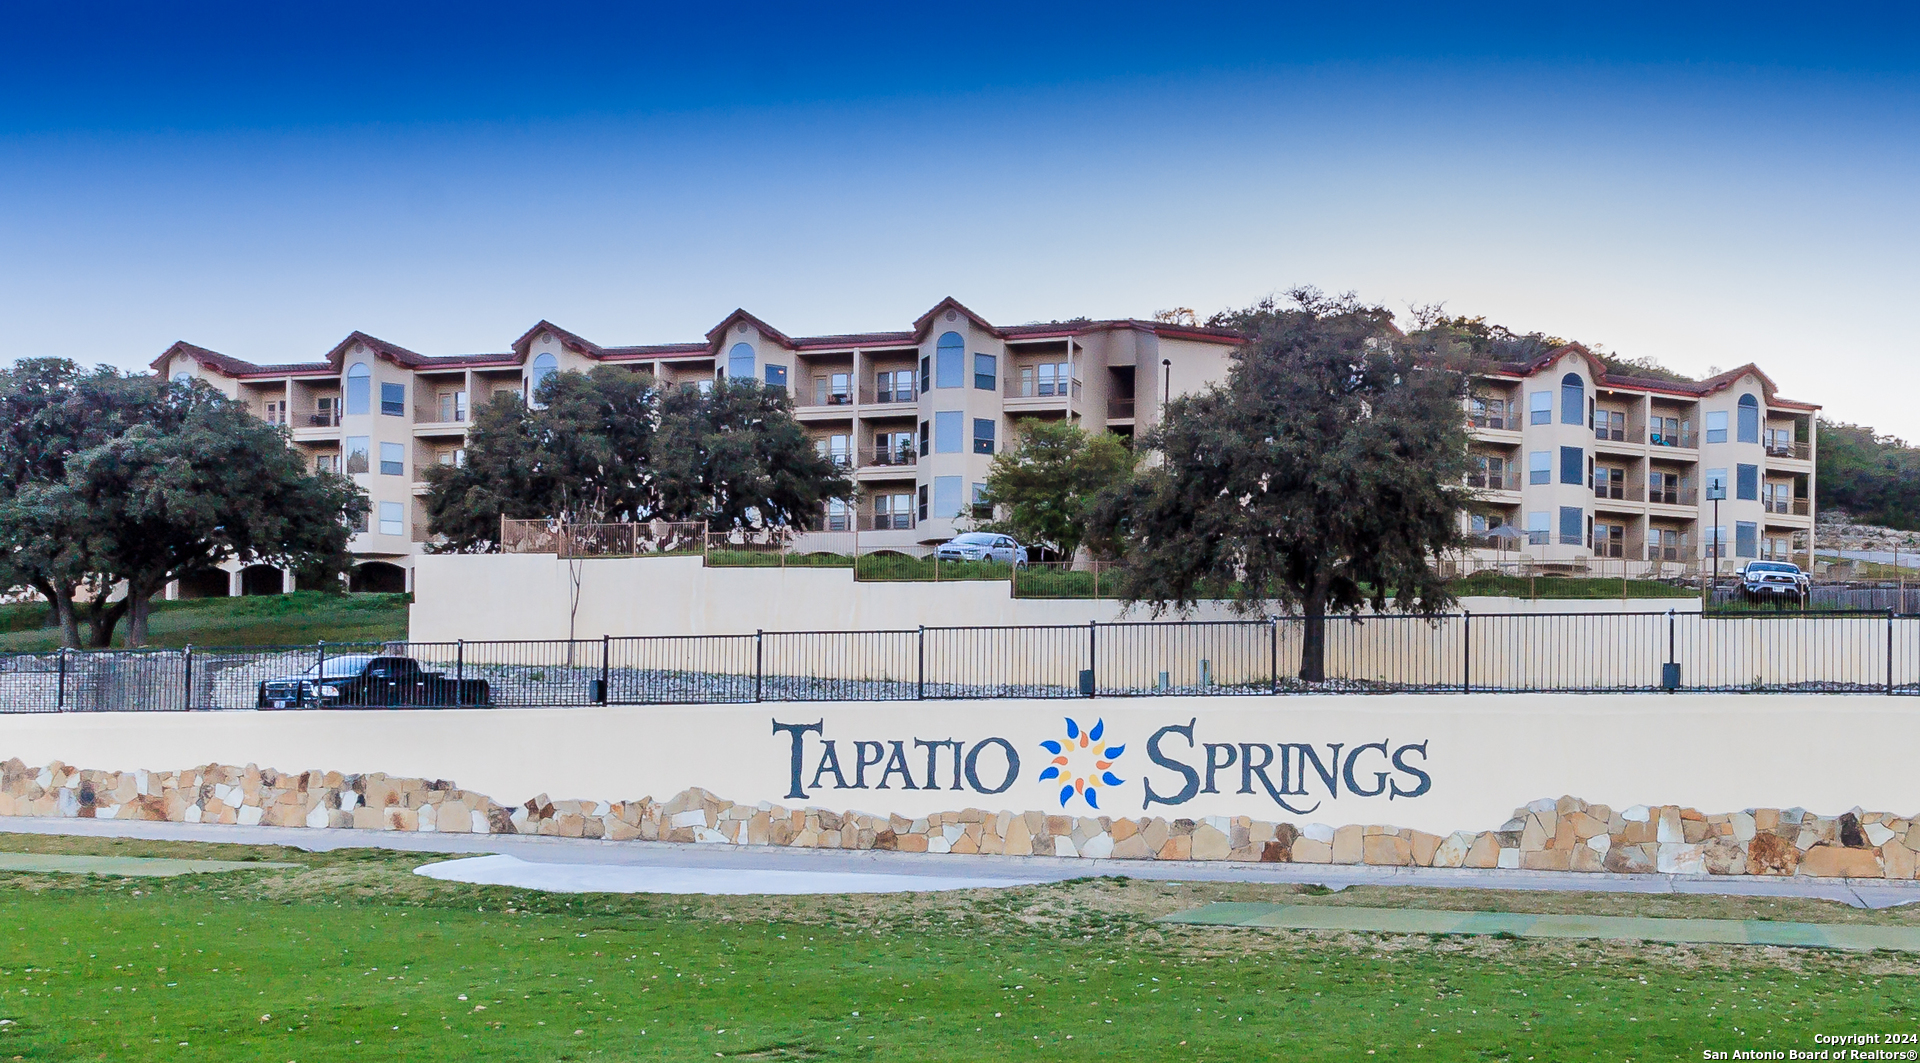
{"x":1616,"y":470}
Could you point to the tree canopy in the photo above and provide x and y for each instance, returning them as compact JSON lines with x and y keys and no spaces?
{"x":113,"y":485}
{"x":1874,"y":478}
{"x":616,"y":445}
{"x":1327,"y":471}
{"x":1043,"y":489}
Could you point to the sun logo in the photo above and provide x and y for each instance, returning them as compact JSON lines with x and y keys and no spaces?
{"x":1081,"y":763}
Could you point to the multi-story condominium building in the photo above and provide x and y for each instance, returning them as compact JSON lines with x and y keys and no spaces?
{"x":1582,"y":462}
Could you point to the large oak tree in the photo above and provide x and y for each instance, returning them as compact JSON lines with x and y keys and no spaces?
{"x":1326,"y":472}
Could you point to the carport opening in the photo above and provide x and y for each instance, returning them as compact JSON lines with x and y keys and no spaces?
{"x":206,"y":583}
{"x":261,"y":579}
{"x":378,"y":577}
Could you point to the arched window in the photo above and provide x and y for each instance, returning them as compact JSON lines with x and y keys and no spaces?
{"x":950,"y":361}
{"x":183,"y":378}
{"x":740,"y":362}
{"x":1749,"y":421}
{"x":544,"y":366}
{"x":1573,"y":399}
{"x":359,"y":397}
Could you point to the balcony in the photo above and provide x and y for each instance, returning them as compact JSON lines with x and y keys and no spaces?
{"x":1798,"y":507}
{"x":1493,"y":481}
{"x":1789,"y":450}
{"x":1679,"y":550}
{"x":1619,"y":491}
{"x":874,"y":396}
{"x":1120,"y":409}
{"x":323,"y":419}
{"x":1018,"y":388}
{"x":885,"y":522}
{"x":1680,"y":440}
{"x":823,"y":395}
{"x":888,"y":456}
{"x":1686,"y":495}
{"x":1632,"y":434}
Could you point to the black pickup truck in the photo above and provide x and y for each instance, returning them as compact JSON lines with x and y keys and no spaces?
{"x":354,"y":681}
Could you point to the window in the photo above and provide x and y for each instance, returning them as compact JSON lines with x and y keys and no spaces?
{"x":358,"y":449}
{"x":1573,"y":526}
{"x":359,"y":389}
{"x":1478,"y":523}
{"x":926,"y":438}
{"x":1540,"y":467}
{"x":839,"y":518}
{"x":1610,"y":483}
{"x":926,"y":374}
{"x":183,"y":378}
{"x":1716,"y":484}
{"x":1573,"y":465}
{"x":1610,"y":424}
{"x":893,"y":386}
{"x":392,"y":519}
{"x":986,"y":372}
{"x":453,"y":405}
{"x":326,"y":411}
{"x":1055,"y":378}
{"x":923,"y":501}
{"x":1573,"y":399}
{"x":833,"y":389}
{"x":946,"y":432}
{"x":1746,"y":482}
{"x":950,"y":361}
{"x":837,"y":450}
{"x":1664,"y":432}
{"x":544,"y":366}
{"x":503,"y":393}
{"x":1666,"y":545}
{"x":1539,"y":527}
{"x":1540,"y":407}
{"x":457,"y":457}
{"x":1489,"y":472}
{"x":982,"y":435}
{"x":893,"y":448}
{"x":777,"y":377}
{"x":1664,"y":488}
{"x":1717,"y":541}
{"x":946,"y":496}
{"x":893,"y":511}
{"x":393,"y":400}
{"x":740,"y":361}
{"x":1609,"y":540}
{"x":981,"y":510}
{"x":1749,"y":423}
{"x":326,"y":463}
{"x":1746,"y":539}
{"x":1717,"y":426}
{"x":393,"y":459}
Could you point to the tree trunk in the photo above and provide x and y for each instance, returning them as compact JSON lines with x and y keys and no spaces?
{"x":102,"y":618}
{"x":62,"y":599}
{"x":139,"y":602}
{"x":1313,"y":639}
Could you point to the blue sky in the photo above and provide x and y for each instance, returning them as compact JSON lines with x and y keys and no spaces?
{"x":1706,"y":186}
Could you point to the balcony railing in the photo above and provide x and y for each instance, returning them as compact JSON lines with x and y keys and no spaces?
{"x":1685,"y":495}
{"x":1119,"y":409}
{"x":1631,"y":433}
{"x":436,"y":414}
{"x":1795,"y":451}
{"x":871,"y":396}
{"x":324,"y":419}
{"x":821,"y":397}
{"x":886,"y":521}
{"x":1683,"y":440}
{"x":888,"y":456}
{"x":1675,"y":551}
{"x":1622,"y":491}
{"x":1494,"y":481}
{"x":1798,"y":507}
{"x":1016,"y":388}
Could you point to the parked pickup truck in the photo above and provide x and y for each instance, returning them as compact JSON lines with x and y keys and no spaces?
{"x":1774,"y":580}
{"x":354,"y":681}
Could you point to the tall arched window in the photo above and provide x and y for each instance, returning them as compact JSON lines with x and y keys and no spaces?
{"x":950,"y":361}
{"x":740,"y":362}
{"x":359,"y":397}
{"x":544,"y":366}
{"x":1573,"y":399}
{"x":1749,"y":421}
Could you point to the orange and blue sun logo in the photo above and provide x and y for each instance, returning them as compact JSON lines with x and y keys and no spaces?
{"x":1081,"y":763}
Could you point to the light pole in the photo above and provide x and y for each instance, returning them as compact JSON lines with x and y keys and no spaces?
{"x":1716,"y":490}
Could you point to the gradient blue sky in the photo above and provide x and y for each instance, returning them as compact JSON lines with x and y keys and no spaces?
{"x":1707,"y":186}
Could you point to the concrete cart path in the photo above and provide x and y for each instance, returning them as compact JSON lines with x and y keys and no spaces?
{"x":1860,"y":893}
{"x":1599,"y":927}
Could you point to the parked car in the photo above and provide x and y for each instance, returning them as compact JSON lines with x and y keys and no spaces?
{"x":369,"y":681}
{"x":1774,"y":580}
{"x":982,"y":546}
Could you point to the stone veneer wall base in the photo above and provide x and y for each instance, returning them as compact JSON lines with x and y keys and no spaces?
{"x":1567,"y":834}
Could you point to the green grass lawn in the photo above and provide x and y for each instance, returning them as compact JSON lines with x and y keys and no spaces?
{"x":775,"y":559}
{"x":351,"y":957}
{"x":262,"y":620}
{"x":1549,"y":587}
{"x":887,"y":566}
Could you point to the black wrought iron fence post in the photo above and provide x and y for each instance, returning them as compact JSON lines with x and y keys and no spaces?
{"x":920,"y":674}
{"x":1890,"y":651}
{"x":1092,"y":685}
{"x":606,"y":669}
{"x":1273,"y":654}
{"x":319,"y":676}
{"x":1466,"y":652}
{"x":459,"y":659}
{"x":759,"y":662}
{"x":60,"y":691}
{"x":186,"y":682}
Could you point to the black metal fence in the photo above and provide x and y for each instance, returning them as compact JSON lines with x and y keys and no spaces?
{"x":1465,"y":653}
